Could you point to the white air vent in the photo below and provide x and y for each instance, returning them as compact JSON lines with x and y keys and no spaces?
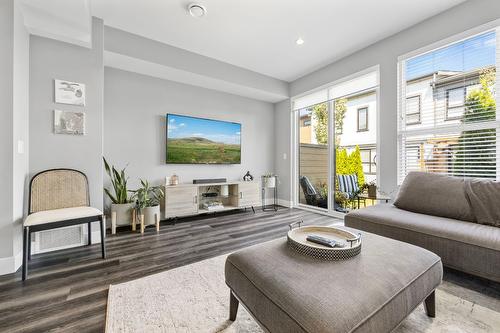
{"x":56,"y":239}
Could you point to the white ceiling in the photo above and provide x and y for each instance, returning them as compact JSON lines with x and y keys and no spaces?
{"x":260,"y":34}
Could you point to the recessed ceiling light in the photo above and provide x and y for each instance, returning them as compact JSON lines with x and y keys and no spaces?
{"x":197,"y":10}
{"x":299,"y":41}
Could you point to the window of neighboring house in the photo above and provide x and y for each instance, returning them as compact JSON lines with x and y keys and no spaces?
{"x":455,"y":103}
{"x":413,"y":110}
{"x":368,"y":159}
{"x":451,"y":89}
{"x":363,"y":119}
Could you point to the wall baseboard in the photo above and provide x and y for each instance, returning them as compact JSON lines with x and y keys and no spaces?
{"x":285,"y":203}
{"x":11,"y":264}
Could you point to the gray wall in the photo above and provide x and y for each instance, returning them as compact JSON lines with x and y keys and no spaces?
{"x":134,"y":126}
{"x":6,"y":131}
{"x":385,"y":53}
{"x":14,"y":77}
{"x":283,"y":146}
{"x":51,"y":59}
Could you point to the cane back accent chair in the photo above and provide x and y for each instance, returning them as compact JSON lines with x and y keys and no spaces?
{"x":59,"y":198}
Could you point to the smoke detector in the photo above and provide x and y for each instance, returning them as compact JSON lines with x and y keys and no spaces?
{"x":197,"y":10}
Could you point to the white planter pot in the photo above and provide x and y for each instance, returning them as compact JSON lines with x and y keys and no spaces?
{"x":123,"y":213}
{"x":150,"y":214}
{"x":270,"y":182}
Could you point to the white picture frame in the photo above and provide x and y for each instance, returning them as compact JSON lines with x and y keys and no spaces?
{"x":69,"y":122}
{"x":67,"y":92}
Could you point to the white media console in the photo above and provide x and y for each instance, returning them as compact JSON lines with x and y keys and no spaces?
{"x":191,"y":199}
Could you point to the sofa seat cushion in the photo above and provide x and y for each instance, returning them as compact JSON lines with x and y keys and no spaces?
{"x":434,"y":194}
{"x":57,"y":215}
{"x":460,"y":231}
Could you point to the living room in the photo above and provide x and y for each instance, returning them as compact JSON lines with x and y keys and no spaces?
{"x":215,"y":166}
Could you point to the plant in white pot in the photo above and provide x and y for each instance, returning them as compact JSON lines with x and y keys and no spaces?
{"x":121,"y":204}
{"x":269,"y":180}
{"x":147,"y":204}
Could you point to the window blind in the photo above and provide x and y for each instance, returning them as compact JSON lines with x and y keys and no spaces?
{"x":447,"y":120}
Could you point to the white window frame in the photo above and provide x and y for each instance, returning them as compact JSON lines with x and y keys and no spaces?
{"x":401,"y":103}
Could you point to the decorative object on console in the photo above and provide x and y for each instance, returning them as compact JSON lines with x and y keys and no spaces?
{"x":69,"y":122}
{"x":209,"y":181}
{"x":248,"y":177}
{"x":122,"y":206}
{"x":224,"y":191}
{"x":147,"y":205}
{"x":67,"y":92}
{"x":174,"y":180}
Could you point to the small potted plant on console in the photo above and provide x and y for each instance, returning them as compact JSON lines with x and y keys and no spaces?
{"x":147,"y":204}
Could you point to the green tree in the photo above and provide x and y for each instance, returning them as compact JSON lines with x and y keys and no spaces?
{"x":475,"y":151}
{"x":357,"y":166}
{"x":320,"y":113}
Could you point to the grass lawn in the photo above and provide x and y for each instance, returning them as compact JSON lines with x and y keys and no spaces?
{"x":200,"y":150}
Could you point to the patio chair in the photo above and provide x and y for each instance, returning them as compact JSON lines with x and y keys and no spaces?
{"x":313,"y":197}
{"x":59,"y":198}
{"x":348,"y":187}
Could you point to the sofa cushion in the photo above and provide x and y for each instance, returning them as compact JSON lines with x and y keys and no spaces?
{"x":484,"y":197}
{"x":461,"y":231}
{"x":433,"y":194}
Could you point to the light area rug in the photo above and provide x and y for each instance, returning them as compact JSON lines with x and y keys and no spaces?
{"x":195,"y":298}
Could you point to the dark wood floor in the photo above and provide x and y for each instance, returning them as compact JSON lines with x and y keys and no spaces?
{"x":67,"y":290}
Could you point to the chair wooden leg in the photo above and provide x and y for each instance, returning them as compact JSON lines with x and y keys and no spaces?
{"x":430,"y":305}
{"x":141,"y":217}
{"x":25,"y":252}
{"x":89,"y":238}
{"x":102,"y":222}
{"x":233,"y":306}
{"x":157,"y":220}
{"x":29,"y":245}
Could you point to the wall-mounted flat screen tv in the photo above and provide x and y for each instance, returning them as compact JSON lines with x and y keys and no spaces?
{"x":192,"y":140}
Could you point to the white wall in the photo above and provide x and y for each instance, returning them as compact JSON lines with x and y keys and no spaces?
{"x":385,"y":54}
{"x":135,"y":106}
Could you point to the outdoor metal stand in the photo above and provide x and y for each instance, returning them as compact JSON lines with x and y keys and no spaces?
{"x":274,"y":205}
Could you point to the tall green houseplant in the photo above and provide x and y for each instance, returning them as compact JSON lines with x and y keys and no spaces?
{"x":118,"y":183}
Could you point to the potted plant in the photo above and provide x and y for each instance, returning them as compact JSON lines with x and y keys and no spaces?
{"x":269,"y":180}
{"x":371,"y":188}
{"x":147,"y":201}
{"x":121,"y":204}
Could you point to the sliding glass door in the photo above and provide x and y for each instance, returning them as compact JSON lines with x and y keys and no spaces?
{"x":336,"y":138}
{"x":313,"y":155}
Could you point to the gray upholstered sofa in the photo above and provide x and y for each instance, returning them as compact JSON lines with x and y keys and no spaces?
{"x":457,"y":219}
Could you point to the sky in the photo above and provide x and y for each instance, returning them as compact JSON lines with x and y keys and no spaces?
{"x":472,"y":53}
{"x":219,"y":131}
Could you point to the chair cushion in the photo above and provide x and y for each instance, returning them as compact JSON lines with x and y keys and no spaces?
{"x":460,"y":231}
{"x":63,"y":214}
{"x":433,"y":194}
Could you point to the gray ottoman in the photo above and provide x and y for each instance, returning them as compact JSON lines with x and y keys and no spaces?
{"x":372,"y":292}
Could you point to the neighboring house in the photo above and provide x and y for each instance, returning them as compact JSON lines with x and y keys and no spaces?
{"x":432,"y":100}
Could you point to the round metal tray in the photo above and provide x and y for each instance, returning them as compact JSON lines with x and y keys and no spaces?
{"x":296,"y":240}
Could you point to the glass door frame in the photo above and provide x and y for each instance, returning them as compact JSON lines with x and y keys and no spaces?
{"x":295,"y":142}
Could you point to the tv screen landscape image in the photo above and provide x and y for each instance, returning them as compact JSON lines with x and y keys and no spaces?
{"x":192,"y":140}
